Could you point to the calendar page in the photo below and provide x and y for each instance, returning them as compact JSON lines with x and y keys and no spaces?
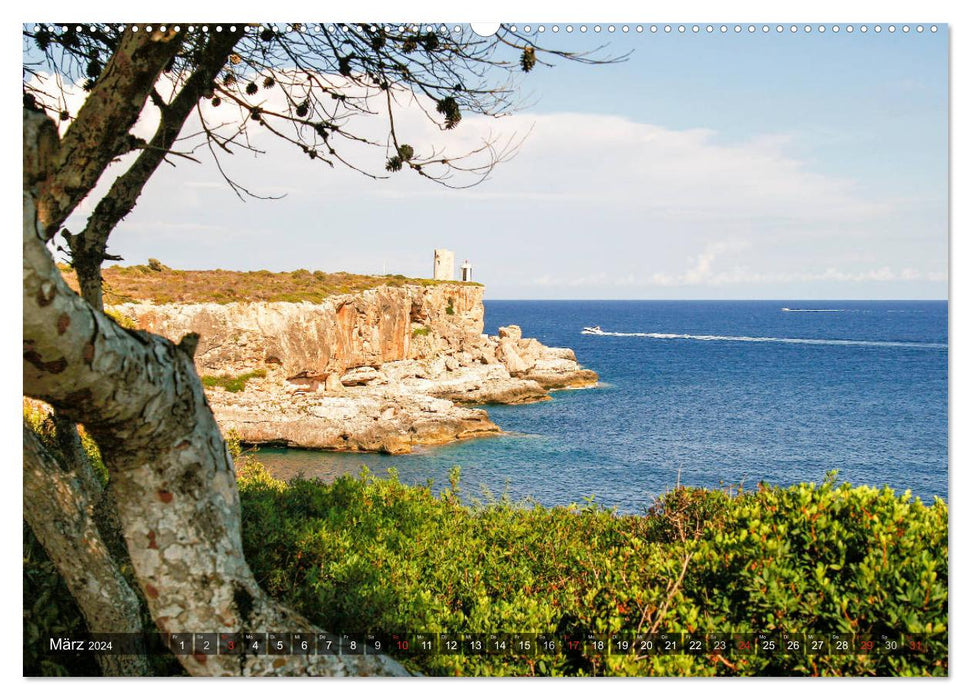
{"x":512,"y":349}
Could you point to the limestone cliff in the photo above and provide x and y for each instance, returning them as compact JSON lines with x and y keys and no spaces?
{"x":313,"y":340}
{"x":377,"y":370}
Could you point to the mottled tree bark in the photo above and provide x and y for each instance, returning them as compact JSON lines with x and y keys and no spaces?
{"x":57,"y":510}
{"x":89,"y":251}
{"x":59,"y":173}
{"x":89,"y":247}
{"x":140,"y":398}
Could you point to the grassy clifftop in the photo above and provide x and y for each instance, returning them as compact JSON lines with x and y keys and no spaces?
{"x":163,"y":285}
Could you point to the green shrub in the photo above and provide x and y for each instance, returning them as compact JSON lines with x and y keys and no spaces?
{"x":375,"y":556}
{"x":418,"y":332}
{"x":233,"y":384}
{"x":121,"y":319}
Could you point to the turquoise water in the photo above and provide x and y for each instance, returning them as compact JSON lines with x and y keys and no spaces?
{"x":707,"y":393}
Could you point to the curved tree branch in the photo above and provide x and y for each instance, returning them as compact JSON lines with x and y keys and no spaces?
{"x":89,"y":247}
{"x":100,"y":133}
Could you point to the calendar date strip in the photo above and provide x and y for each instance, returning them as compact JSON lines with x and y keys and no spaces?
{"x":500,"y":644}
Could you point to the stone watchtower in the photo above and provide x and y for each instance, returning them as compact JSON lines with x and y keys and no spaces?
{"x":444,"y":265}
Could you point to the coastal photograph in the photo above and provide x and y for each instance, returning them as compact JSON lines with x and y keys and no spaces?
{"x":526,"y":349}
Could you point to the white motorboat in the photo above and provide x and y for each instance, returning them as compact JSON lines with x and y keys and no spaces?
{"x":592,"y":330}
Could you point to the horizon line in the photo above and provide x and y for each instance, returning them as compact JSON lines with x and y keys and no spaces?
{"x":774,"y":300}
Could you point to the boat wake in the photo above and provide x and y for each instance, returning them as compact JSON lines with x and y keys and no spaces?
{"x":813,"y":311}
{"x":796,"y":341}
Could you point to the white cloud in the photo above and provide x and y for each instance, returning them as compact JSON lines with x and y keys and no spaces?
{"x":603,"y":201}
{"x":569,"y":158}
{"x":701,"y":271}
{"x":591,"y":159}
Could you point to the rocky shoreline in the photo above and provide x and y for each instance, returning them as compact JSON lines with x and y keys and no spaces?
{"x":379,"y":371}
{"x":397,"y":405}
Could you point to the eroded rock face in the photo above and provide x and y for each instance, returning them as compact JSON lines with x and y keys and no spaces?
{"x":343,"y":332}
{"x":364,"y":376}
{"x":357,"y":419}
{"x":381,"y":370}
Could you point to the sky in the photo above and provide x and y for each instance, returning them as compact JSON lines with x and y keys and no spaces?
{"x":705,"y":166}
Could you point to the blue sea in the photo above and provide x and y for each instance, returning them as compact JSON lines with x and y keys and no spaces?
{"x":704,"y":393}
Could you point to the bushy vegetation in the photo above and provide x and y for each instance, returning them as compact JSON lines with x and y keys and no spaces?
{"x":371,"y":555}
{"x":233,"y":384}
{"x":162,"y":285}
{"x":121,"y":319}
{"x":375,"y":556}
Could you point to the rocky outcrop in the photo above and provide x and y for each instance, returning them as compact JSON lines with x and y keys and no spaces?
{"x":381,"y":370}
{"x":357,"y":420}
{"x":304,"y":339}
{"x":530,"y":360}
